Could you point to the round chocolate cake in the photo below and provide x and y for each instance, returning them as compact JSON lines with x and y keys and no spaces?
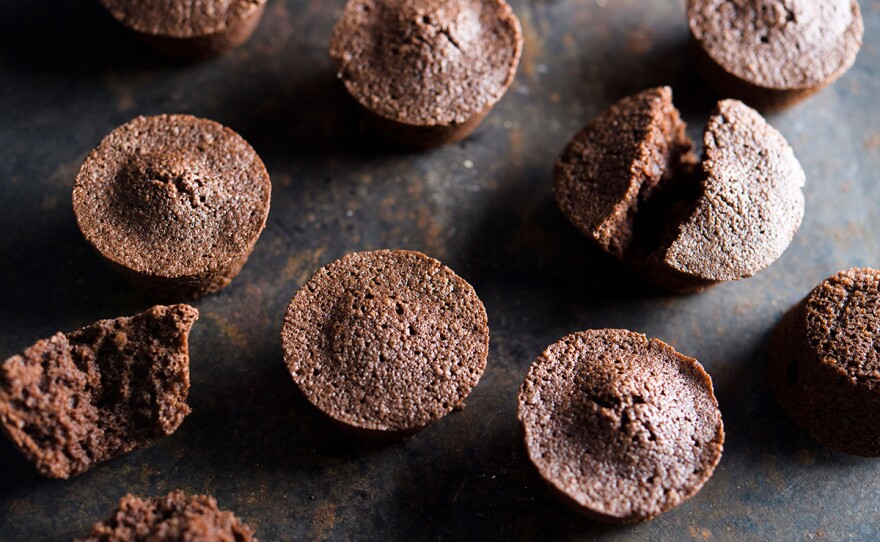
{"x":621,"y":427}
{"x":189,"y":28}
{"x":427,"y":71}
{"x":774,"y":53}
{"x":385,"y":342}
{"x":173,"y":202}
{"x":824,"y":362}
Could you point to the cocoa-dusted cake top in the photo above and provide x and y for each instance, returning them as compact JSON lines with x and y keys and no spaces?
{"x":76,"y":399}
{"x":181,"y":18}
{"x":843,"y":324}
{"x":751,"y":203}
{"x":779,"y":44}
{"x":386,"y":341}
{"x":427,"y":62}
{"x":173,"y":517}
{"x":622,"y":426}
{"x":172,"y":196}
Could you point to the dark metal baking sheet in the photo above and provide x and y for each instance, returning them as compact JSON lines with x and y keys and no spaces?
{"x":69,"y":74}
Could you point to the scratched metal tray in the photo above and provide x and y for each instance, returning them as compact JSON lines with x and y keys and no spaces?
{"x":69,"y":74}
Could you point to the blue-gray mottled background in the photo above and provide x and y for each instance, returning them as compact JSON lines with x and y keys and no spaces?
{"x":69,"y":74}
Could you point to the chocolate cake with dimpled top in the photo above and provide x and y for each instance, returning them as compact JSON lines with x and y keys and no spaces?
{"x":189,"y":29}
{"x":386,"y":342}
{"x":774,"y":53}
{"x":426,"y":71}
{"x":174,"y":203}
{"x":622,"y":427}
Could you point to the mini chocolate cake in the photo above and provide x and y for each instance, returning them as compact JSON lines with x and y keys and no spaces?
{"x":191,"y":29}
{"x":629,"y":182}
{"x":774,"y":53}
{"x":385,"y":342}
{"x":76,"y":399}
{"x":174,"y":517}
{"x":427,"y":71}
{"x":824,"y":362}
{"x":621,"y":427}
{"x":174,"y":203}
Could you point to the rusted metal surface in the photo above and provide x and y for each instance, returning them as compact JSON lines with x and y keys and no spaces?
{"x":69,"y":75}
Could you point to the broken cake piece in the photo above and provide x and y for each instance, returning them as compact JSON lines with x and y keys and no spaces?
{"x":631,"y":183}
{"x":175,"y":516}
{"x":76,"y":399}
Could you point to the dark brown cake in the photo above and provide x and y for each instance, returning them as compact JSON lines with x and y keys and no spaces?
{"x":427,"y":71}
{"x":628,"y":182}
{"x":623,"y":428}
{"x":76,"y":399}
{"x":774,"y":53}
{"x":172,"y":518}
{"x":190,"y":29}
{"x":173,"y":202}
{"x":385,"y":342}
{"x":824,"y":362}
{"x":619,"y":160}
{"x":751,"y":203}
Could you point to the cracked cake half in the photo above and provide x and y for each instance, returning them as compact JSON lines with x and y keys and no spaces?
{"x":76,"y":399}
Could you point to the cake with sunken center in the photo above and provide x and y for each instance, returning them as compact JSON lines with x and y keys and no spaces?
{"x":774,"y":53}
{"x":427,"y":71}
{"x":189,"y":29}
{"x":385,"y":342}
{"x":173,"y":202}
{"x":621,"y":427}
